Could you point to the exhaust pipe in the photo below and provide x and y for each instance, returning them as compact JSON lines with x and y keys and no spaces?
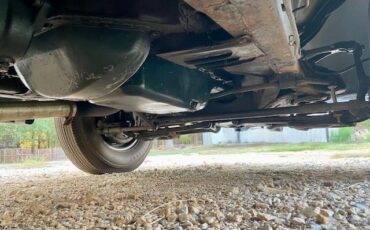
{"x":21,"y":111}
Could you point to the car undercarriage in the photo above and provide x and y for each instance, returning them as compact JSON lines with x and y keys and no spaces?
{"x":127,"y":72}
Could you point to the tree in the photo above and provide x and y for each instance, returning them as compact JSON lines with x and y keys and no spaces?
{"x":41,"y":134}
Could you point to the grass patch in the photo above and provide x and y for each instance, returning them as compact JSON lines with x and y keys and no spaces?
{"x":342,"y":135}
{"x":160,"y":152}
{"x":253,"y":148}
{"x":314,"y":147}
{"x":33,"y":161}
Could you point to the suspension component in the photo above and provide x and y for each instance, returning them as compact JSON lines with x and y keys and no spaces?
{"x":350,"y":47}
{"x":333,"y":94}
{"x":316,"y":108}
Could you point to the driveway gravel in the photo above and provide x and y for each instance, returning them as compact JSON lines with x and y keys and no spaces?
{"x":192,"y":192}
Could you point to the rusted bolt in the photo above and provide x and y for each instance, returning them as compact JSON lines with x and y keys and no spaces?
{"x":292,"y":41}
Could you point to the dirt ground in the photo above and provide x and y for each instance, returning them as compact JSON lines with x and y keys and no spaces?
{"x":192,"y":192}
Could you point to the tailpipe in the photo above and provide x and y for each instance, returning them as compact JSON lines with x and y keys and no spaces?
{"x":21,"y":111}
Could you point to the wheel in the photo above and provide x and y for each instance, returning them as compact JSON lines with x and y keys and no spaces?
{"x":97,"y":154}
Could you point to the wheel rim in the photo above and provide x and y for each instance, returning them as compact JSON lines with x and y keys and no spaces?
{"x":117,"y":152}
{"x":119,"y":142}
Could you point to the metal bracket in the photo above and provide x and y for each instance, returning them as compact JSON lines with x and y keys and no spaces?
{"x":351,"y":47}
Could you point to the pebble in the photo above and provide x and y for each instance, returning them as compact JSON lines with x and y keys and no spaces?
{"x":204,"y":226}
{"x":266,"y":227}
{"x":235,"y":191}
{"x":326,"y":212}
{"x":172,"y":217}
{"x":210,"y":220}
{"x":264,"y":217}
{"x":194,"y":209}
{"x":260,"y":205}
{"x":355,"y":220}
{"x":321,"y":219}
{"x":311,"y":212}
{"x":235,"y":218}
{"x":183,"y":217}
{"x":298,"y":221}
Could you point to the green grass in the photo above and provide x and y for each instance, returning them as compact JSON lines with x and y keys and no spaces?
{"x":34,"y":161}
{"x":342,"y":135}
{"x":315,"y":147}
{"x":273,"y":149}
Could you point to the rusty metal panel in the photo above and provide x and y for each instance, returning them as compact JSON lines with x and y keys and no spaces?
{"x":270,"y":23}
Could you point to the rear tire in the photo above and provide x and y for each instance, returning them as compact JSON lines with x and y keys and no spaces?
{"x":90,"y":152}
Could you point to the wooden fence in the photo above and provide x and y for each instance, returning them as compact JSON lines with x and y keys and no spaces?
{"x":18,"y":155}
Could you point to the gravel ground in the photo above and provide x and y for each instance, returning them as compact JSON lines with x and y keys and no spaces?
{"x":215,"y":192}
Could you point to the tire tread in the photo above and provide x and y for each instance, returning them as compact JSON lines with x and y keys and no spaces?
{"x":80,"y":153}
